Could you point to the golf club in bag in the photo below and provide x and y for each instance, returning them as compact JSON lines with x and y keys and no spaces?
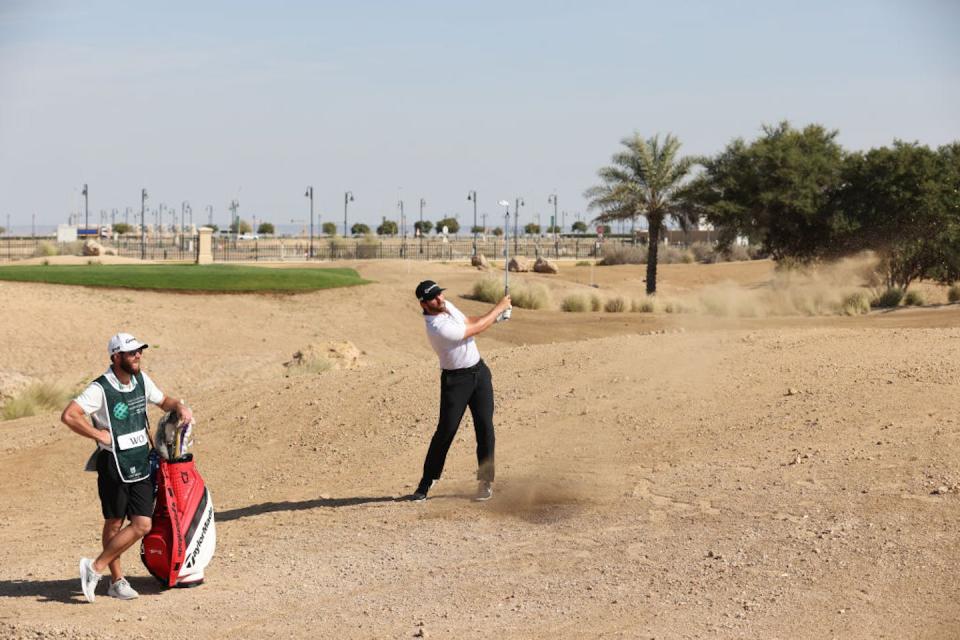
{"x":183,"y":538}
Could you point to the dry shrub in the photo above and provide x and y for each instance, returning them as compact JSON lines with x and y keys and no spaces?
{"x":913,"y":299}
{"x":621,"y":254}
{"x":584,"y":263}
{"x":856,"y":304}
{"x":953,"y":293}
{"x":530,"y":297}
{"x":737,"y":253}
{"x":37,"y":398}
{"x":487,"y":290}
{"x":615,"y":305}
{"x":642,"y":306}
{"x":595,"y":304}
{"x":674,"y":255}
{"x":46,"y":249}
{"x":575,"y":303}
{"x":704,"y":252}
{"x":889,"y":298}
{"x":522,"y":295}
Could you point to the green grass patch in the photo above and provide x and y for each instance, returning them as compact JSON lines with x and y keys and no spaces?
{"x":186,"y":277}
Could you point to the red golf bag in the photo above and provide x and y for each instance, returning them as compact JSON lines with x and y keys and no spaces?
{"x":183,"y":538}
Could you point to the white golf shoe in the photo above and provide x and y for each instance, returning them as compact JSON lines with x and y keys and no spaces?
{"x":122,"y":589}
{"x":88,"y":579}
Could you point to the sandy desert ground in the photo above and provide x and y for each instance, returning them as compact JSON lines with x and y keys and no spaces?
{"x":767,"y":474}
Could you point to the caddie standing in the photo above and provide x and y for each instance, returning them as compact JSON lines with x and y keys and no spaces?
{"x":464,"y":382}
{"x":116,"y":404}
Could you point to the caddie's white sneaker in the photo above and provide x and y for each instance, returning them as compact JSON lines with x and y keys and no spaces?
{"x":88,"y":579}
{"x":122,"y":589}
{"x":484,"y":492}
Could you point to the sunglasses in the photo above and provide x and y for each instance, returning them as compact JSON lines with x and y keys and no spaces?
{"x":130,"y":354}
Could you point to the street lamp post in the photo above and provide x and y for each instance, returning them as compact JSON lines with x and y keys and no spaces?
{"x":516,"y":220}
{"x":552,"y":199}
{"x":143,"y":224}
{"x":347,"y":197}
{"x":309,"y":194}
{"x":472,"y":195}
{"x":86,"y":208}
{"x":210,"y":215}
{"x":403,"y":232}
{"x":420,"y":231}
{"x":484,"y":216}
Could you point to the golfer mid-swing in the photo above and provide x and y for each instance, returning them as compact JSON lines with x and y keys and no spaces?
{"x":465,"y":381}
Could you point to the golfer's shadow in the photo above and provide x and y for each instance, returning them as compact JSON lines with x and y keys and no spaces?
{"x":271,"y":507}
{"x":68,"y":591}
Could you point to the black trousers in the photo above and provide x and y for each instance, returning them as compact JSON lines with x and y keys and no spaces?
{"x":459,"y":389}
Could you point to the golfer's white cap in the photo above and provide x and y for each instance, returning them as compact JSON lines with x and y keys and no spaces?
{"x":124,"y":342}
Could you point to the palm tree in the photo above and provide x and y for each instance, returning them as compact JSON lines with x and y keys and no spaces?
{"x":644,"y":180}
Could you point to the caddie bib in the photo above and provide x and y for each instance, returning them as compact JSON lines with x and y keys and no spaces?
{"x":127,"y":420}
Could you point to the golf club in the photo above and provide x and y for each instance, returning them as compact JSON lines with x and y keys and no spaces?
{"x":506,"y":258}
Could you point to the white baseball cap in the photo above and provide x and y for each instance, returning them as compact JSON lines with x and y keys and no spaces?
{"x":124,"y":342}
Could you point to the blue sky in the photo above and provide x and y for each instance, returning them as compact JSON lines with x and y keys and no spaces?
{"x":392,"y":100}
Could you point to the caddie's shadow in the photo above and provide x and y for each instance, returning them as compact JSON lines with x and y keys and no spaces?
{"x":270,"y":507}
{"x":68,"y":591}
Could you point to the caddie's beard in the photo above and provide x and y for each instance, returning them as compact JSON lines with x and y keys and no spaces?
{"x":131,"y":367}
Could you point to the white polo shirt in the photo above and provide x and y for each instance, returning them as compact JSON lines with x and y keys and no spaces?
{"x":445,"y":332}
{"x":94,"y":403}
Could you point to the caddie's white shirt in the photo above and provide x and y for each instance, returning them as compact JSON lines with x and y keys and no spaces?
{"x":94,"y":403}
{"x":445,"y":332}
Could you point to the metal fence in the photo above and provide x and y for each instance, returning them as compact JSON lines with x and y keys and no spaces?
{"x":183,"y":248}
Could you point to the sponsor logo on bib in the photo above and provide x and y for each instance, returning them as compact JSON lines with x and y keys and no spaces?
{"x":121,"y":411}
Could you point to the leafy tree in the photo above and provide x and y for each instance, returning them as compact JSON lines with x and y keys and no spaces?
{"x":244,"y":227}
{"x":329,"y":228}
{"x":579,"y":227}
{"x":554,"y":229}
{"x":497,"y":231}
{"x":477,"y":229}
{"x":644,"y":180}
{"x":121,"y":228}
{"x":214,"y":227}
{"x":3,"y":230}
{"x":450,"y":223}
{"x":423,"y":227}
{"x":359,"y":229}
{"x":777,"y":191}
{"x":531,"y":228}
{"x":266,"y":228}
{"x":388,"y":228}
{"x":903,"y":202}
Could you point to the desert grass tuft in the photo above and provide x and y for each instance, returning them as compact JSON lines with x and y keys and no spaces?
{"x":524,"y":296}
{"x":310,"y":366}
{"x":889,"y":298}
{"x":615,"y":305}
{"x":37,"y":398}
{"x":913,"y":299}
{"x":595,"y":303}
{"x":623,"y":255}
{"x":953,"y":293}
{"x":530,"y":297}
{"x":487,"y":290}
{"x":642,"y":306}
{"x":855,"y":304}
{"x":575,"y":303}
